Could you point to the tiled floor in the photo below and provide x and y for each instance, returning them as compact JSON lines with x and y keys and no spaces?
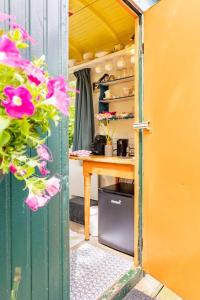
{"x":148,"y":285}
{"x":78,"y":228}
{"x":94,"y":267}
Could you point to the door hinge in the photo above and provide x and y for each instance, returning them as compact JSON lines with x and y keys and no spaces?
{"x":142,"y":50}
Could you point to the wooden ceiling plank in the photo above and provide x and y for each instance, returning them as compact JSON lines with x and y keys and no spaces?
{"x":75,"y":49}
{"x":102,"y":20}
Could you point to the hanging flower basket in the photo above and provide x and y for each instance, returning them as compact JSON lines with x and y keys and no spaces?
{"x":30,"y":99}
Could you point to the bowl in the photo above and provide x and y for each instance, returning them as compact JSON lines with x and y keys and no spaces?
{"x":126,"y":91}
{"x":88,"y":56}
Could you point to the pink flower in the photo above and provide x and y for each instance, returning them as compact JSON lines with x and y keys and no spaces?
{"x":35,"y":74}
{"x":107,"y":115}
{"x":4,"y":17}
{"x":53,"y":186}
{"x":34,"y":79}
{"x":9,"y":54}
{"x":61,"y":101}
{"x":57,"y":83}
{"x":43,"y":200}
{"x":12,"y":169}
{"x":18,"y":102}
{"x":42,"y":168}
{"x":32,"y":202}
{"x":24,"y":33}
{"x":57,"y":94}
{"x":44,"y":153}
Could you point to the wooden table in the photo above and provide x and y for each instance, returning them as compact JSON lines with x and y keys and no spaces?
{"x":101,"y":165}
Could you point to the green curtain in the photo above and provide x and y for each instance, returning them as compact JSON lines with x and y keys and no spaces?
{"x":84,"y":116}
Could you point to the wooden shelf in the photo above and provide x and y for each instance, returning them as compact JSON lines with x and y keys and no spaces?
{"x":99,"y":60}
{"x":110,"y":100}
{"x":116,"y":81}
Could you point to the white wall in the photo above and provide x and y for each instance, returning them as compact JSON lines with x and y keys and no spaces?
{"x":76,"y":181}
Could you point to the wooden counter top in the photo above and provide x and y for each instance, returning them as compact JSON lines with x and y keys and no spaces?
{"x":105,"y":159}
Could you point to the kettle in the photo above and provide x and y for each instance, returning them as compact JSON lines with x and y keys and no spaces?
{"x":122,"y":145}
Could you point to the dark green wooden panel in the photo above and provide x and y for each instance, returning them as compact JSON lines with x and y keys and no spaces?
{"x":38,"y":242}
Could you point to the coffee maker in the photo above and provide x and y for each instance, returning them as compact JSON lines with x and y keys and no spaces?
{"x":122,"y":145}
{"x":98,"y":146}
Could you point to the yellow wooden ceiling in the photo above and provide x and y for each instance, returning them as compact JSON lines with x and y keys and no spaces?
{"x":96,"y":25}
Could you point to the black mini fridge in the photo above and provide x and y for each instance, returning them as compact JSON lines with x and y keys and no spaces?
{"x":116,"y":217}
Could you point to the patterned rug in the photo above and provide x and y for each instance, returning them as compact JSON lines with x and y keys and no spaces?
{"x":94,"y":270}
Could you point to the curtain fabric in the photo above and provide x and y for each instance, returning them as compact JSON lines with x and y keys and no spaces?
{"x":84,"y":112}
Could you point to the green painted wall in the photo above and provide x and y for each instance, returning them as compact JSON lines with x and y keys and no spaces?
{"x":38,"y":242}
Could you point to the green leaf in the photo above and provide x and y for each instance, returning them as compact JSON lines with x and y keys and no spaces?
{"x":28,"y":171}
{"x":25,"y":127}
{"x":4,"y":138}
{"x":4,"y":123}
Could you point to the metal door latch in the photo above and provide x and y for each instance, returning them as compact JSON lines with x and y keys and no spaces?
{"x":142,"y":125}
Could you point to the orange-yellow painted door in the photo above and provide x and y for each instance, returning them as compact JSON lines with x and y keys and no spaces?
{"x":171,"y":209}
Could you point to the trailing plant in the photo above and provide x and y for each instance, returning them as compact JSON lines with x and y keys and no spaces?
{"x":30,"y":100}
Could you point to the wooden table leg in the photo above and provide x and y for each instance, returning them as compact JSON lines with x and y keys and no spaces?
{"x":87,"y":187}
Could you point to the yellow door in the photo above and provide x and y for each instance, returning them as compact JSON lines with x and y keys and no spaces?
{"x":171,"y":232}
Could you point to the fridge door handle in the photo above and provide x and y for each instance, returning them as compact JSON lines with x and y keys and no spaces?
{"x":118,"y":202}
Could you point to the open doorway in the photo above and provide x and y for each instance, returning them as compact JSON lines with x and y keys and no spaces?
{"x":102,"y":66}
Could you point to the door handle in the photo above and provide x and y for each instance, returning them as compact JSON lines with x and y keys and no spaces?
{"x":142,"y":125}
{"x":118,"y":202}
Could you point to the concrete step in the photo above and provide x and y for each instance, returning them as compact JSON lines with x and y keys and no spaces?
{"x":150,"y":288}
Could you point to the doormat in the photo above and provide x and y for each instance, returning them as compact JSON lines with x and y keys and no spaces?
{"x":137,"y":295}
{"x":93,"y":270}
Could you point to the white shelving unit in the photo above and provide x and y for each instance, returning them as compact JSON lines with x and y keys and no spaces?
{"x":118,"y":80}
{"x":125,"y":98}
{"x":99,"y":60}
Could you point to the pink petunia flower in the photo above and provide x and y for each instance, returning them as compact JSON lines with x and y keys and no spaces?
{"x":44,"y":153}
{"x":24,"y":33}
{"x":53,"y":186}
{"x":57,"y":94}
{"x":42,"y":168}
{"x":9,"y":54}
{"x":32,"y":202}
{"x":12,"y":169}
{"x":18,"y":102}
{"x":57,"y":83}
{"x":61,"y":101}
{"x":35,"y":74}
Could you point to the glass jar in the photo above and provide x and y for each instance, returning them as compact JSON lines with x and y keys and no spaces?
{"x":108,"y":149}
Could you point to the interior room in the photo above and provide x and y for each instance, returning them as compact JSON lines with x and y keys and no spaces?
{"x":101,"y":70}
